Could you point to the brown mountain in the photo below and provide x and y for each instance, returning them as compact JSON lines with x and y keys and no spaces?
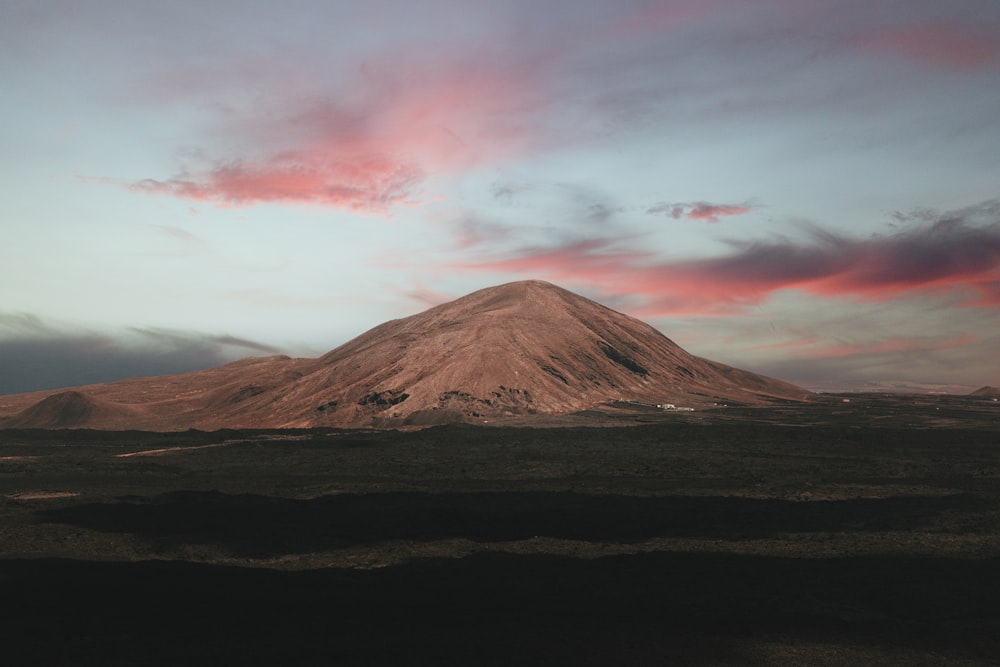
{"x":517,"y":349}
{"x":73,"y":409}
{"x":986,"y":391}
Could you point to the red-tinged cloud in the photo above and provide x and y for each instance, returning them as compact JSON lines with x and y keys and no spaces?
{"x":699,"y":210}
{"x":426,"y":297}
{"x":944,"y":44}
{"x":951,"y":255}
{"x":712,"y":212}
{"x":853,"y":364}
{"x":374,"y":139}
{"x":820,"y":348}
{"x":594,"y":260}
{"x":370,"y":184}
{"x":892,"y":346}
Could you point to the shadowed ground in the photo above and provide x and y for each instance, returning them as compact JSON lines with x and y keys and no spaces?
{"x":260,"y":526}
{"x":700,"y":541}
{"x":660,"y":608}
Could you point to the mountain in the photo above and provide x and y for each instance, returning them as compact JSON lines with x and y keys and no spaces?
{"x":73,"y":409}
{"x":517,"y":349}
{"x":987,"y":391}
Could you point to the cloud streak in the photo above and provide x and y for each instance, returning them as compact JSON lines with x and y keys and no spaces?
{"x":369,"y":184}
{"x":701,"y":210}
{"x":944,"y":44}
{"x":369,"y":142}
{"x":817,"y":348}
{"x":904,"y":363}
{"x":951,"y":254}
{"x":36,"y":355}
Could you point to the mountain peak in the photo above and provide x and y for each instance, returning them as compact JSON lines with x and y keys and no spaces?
{"x":522,"y":348}
{"x":520,"y":294}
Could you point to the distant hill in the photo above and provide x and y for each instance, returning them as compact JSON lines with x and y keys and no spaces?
{"x":74,"y":409}
{"x":517,"y":349}
{"x":987,"y":391}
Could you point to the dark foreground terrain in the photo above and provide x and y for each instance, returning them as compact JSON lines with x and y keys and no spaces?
{"x":830,"y":534}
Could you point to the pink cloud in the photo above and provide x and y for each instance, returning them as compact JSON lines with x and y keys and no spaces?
{"x":690,"y":287}
{"x":586,"y":260}
{"x":374,"y":183}
{"x":893,"y":345}
{"x":712,"y":212}
{"x":843,"y":364}
{"x":948,"y":256}
{"x":372,"y":142}
{"x":699,"y":210}
{"x":945,"y":44}
{"x":426,"y":297}
{"x":816,"y":347}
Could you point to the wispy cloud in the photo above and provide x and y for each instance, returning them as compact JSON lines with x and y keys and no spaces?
{"x":951,"y":254}
{"x":373,"y":183}
{"x":506,"y":192}
{"x":898,"y":363}
{"x":370,"y":141}
{"x":945,"y":44}
{"x":426,"y":297}
{"x":166,"y":339}
{"x":471,"y":231}
{"x":817,"y":349}
{"x":699,"y":210}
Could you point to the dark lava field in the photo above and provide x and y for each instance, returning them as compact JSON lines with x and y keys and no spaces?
{"x":832,"y":533}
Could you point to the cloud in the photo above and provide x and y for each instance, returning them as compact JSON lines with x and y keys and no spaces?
{"x":904,"y":345}
{"x":36,"y":354}
{"x":952,"y":255}
{"x":370,"y":140}
{"x":898,"y":363}
{"x":698,"y":210}
{"x":372,"y":183}
{"x":944,"y":44}
{"x":426,"y":298}
{"x":167,"y":339}
{"x":506,"y":192}
{"x":471,"y":231}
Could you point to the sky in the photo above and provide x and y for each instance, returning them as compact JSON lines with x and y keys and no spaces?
{"x":808,"y":189}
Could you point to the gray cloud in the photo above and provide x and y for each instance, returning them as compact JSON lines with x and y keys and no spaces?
{"x":931,"y":368}
{"x":37,"y":355}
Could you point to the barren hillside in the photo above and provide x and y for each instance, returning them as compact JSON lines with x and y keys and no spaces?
{"x":517,"y":349}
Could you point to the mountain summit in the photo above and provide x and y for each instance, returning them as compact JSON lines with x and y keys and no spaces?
{"x":516,"y":349}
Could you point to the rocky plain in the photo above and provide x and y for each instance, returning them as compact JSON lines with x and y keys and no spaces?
{"x":520,"y":477}
{"x":833,"y":533}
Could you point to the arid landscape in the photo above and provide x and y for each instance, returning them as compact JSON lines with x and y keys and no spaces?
{"x":519,"y":477}
{"x":508,"y":333}
{"x":517,"y":350}
{"x":835,"y":533}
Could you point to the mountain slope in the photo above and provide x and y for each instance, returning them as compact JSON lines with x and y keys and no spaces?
{"x":518,"y":348}
{"x":521,"y":348}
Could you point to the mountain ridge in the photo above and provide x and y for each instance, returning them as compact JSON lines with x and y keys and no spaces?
{"x":518,"y":349}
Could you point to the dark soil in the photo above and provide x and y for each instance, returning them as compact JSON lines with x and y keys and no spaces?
{"x":834,"y":534}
